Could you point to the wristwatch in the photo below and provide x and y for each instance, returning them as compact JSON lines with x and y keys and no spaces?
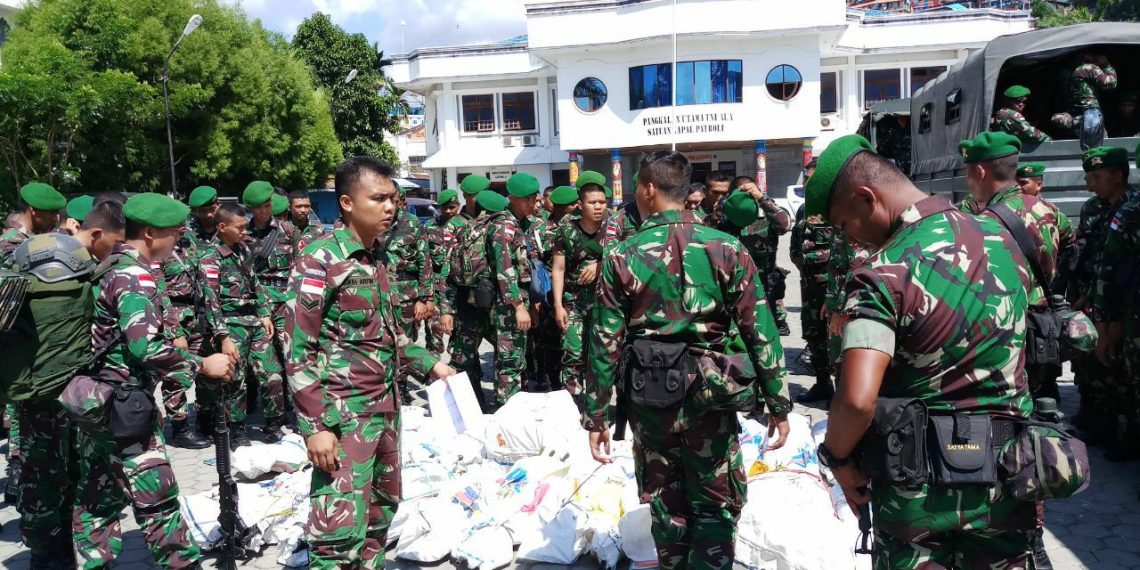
{"x":830,"y":461}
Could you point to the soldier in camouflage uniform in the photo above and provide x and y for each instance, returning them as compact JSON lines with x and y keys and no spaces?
{"x":1010,"y":120}
{"x":409,"y":265}
{"x":236,"y":306}
{"x":717,"y":186}
{"x":762,"y":240}
{"x":1106,"y":175}
{"x":272,"y":266}
{"x":544,"y":341}
{"x":139,"y":355}
{"x":687,"y":460}
{"x":441,"y":240}
{"x":202,"y":224}
{"x":301,"y":216}
{"x":345,"y":341}
{"x":471,"y":186}
{"x":991,"y":170}
{"x":1031,"y":178}
{"x":1116,"y":313}
{"x":577,"y":245}
{"x":934,"y":265}
{"x":1091,"y":75}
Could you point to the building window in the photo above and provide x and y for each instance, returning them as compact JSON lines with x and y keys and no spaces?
{"x":590,"y":95}
{"x":925,"y":119}
{"x":478,"y":113}
{"x":554,"y":110}
{"x":705,"y":82}
{"x":518,"y":112}
{"x":650,"y":86}
{"x":881,"y":85}
{"x":3,"y":31}
{"x":416,"y":162}
{"x":829,"y":92}
{"x":920,"y":76}
{"x":954,"y":106}
{"x":784,"y":82}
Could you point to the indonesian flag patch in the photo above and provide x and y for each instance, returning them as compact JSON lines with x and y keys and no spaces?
{"x":312,"y":286}
{"x":1115,"y":221}
{"x":146,"y":280}
{"x":211,"y":272}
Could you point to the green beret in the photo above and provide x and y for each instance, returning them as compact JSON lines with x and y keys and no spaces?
{"x":79,"y":206}
{"x":590,"y":177}
{"x":1104,"y":157}
{"x":1030,"y":170}
{"x":817,"y":192}
{"x":155,"y":210}
{"x":491,"y":201}
{"x":741,"y":209}
{"x":280,"y":204}
{"x":522,"y":185}
{"x":202,"y":195}
{"x":563,"y":195}
{"x":447,"y":196}
{"x":988,"y":146}
{"x":609,"y":191}
{"x":257,"y":193}
{"x":403,"y":191}
{"x":42,"y":197}
{"x":1016,"y":92}
{"x":635,"y":178}
{"x":474,"y":184}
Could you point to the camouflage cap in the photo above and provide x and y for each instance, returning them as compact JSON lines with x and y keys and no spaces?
{"x":563,"y":195}
{"x":42,"y":196}
{"x":741,"y":209}
{"x":474,"y":184}
{"x":1104,"y":157}
{"x":1016,"y":92}
{"x":988,"y":146}
{"x":523,"y":185}
{"x":80,"y":206}
{"x":201,"y":196}
{"x":280,"y":204}
{"x":257,"y":193}
{"x":1031,"y":170}
{"x":447,"y":197}
{"x":491,"y":201}
{"x":590,"y":177}
{"x":155,"y":210}
{"x":53,"y":257}
{"x":832,"y":161}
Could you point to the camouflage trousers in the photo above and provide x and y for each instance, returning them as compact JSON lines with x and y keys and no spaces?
{"x":694,"y":484}
{"x":13,"y":430}
{"x":433,"y":334}
{"x":174,"y":399}
{"x":1097,"y":384}
{"x":1043,"y":381}
{"x":410,"y":381}
{"x":497,"y":326}
{"x":351,"y":508}
{"x":544,"y":354}
{"x":965,"y":528}
{"x":573,"y":343}
{"x":814,"y":294}
{"x":48,"y":479}
{"x":114,"y":474}
{"x":257,"y":356}
{"x":1128,"y":391}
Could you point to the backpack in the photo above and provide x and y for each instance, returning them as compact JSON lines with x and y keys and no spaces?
{"x":469,"y":260}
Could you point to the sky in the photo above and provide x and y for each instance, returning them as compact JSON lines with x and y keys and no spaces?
{"x":429,"y":22}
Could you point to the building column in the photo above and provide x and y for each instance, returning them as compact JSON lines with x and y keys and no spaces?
{"x":762,"y":166}
{"x":574,"y":166}
{"x":452,"y":178}
{"x":615,"y":160}
{"x":806,"y":152}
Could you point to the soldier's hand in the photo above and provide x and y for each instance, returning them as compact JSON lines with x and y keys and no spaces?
{"x":600,"y":446}
{"x":588,"y":274}
{"x":522,"y":316}
{"x":229,"y":348}
{"x":854,"y":484}
{"x":836,"y":323}
{"x":219,"y":366}
{"x":324,"y":451}
{"x":447,"y":324}
{"x":421,"y":311}
{"x":267,"y":324}
{"x":181,"y":342}
{"x":778,"y":424}
{"x":441,"y":371}
{"x":562,"y":317}
{"x":432,"y":310}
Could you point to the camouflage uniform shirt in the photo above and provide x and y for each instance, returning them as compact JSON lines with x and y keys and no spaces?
{"x":408,"y":259}
{"x":1014,"y":123}
{"x":1091,"y":234}
{"x":1082,"y":84}
{"x":231,"y":292}
{"x":275,"y":274}
{"x":443,"y":238}
{"x":1117,"y":277}
{"x":579,"y":249}
{"x":9,"y":241}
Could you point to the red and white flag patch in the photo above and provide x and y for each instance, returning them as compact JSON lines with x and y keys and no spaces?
{"x":211,"y":272}
{"x":312,"y":286}
{"x":146,"y":280}
{"x":1115,"y":221}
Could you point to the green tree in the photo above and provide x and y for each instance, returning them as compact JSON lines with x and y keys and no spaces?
{"x":81,"y":100}
{"x":364,"y":108}
{"x":1049,"y":14}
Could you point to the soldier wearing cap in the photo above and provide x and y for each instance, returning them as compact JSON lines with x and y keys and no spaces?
{"x":409,"y":264}
{"x":441,"y":238}
{"x":274,"y":245}
{"x":1116,"y":313}
{"x":203,"y":203}
{"x":1031,"y":178}
{"x":1102,"y":388}
{"x":512,"y":248}
{"x":40,"y":215}
{"x":933,"y":265}
{"x":1009,"y":117}
{"x":564,"y":200}
{"x":762,"y":240}
{"x":301,"y":215}
{"x":77,"y":209}
{"x":139,"y":355}
{"x":471,"y":186}
{"x":991,"y":174}
{"x":281,"y":209}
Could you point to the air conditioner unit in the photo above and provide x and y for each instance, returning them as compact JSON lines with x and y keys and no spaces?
{"x":828,"y":122}
{"x":510,"y":141}
{"x":530,"y":140}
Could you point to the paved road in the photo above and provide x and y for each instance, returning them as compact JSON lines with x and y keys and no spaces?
{"x":1098,"y":529}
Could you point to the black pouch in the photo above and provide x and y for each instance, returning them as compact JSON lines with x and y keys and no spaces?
{"x":893,"y":451}
{"x":961,"y":448}
{"x":132,"y":412}
{"x":483,"y":294}
{"x":1043,"y":331}
{"x":658,"y":374}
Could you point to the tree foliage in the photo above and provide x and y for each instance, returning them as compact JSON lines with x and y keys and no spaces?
{"x":81,"y":100}
{"x":1050,"y":14}
{"x":364,"y":108}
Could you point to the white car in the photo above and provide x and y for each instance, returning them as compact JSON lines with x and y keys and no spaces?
{"x":793,"y":199}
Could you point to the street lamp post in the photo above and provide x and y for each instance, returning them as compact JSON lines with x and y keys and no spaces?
{"x":195,"y":21}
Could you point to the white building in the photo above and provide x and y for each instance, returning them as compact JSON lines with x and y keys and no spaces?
{"x":8,"y":10}
{"x":759,"y":84}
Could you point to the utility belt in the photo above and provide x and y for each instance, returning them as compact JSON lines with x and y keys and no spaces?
{"x":664,"y":375}
{"x":908,"y":447}
{"x":481,"y":295}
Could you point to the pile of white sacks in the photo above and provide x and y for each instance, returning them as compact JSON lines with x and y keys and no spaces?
{"x":520,"y":486}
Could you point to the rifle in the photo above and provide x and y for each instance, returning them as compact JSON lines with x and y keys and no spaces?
{"x":234,"y":542}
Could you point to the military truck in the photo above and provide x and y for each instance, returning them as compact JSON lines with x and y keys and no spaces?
{"x":959,"y":104}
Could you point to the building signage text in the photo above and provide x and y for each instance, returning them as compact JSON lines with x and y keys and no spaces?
{"x":686,"y":124}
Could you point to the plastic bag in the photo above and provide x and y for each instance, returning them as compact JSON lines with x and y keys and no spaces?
{"x":637,"y":538}
{"x":431,"y":531}
{"x":285,"y":456}
{"x":560,"y":541}
{"x":485,"y":548}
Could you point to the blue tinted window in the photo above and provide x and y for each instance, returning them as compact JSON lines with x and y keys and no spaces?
{"x":783,"y":82}
{"x":702,"y":75}
{"x":636,"y":95}
{"x":735,"y":81}
{"x":719,"y":81}
{"x":685,"y":83}
{"x":698,"y":83}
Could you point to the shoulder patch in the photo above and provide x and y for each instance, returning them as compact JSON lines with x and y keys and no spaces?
{"x":141,"y":275}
